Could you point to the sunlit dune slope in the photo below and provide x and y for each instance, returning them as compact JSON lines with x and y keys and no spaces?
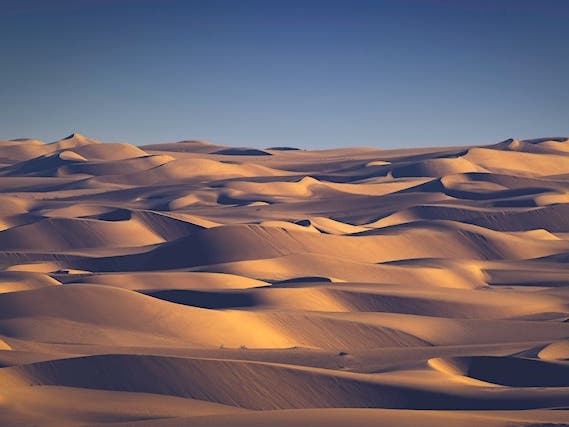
{"x":190,"y":283}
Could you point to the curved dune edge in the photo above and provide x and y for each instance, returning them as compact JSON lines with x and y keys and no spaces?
{"x":515,"y":372}
{"x":558,"y":350}
{"x":366,"y":417}
{"x":220,"y":380}
{"x":190,"y":283}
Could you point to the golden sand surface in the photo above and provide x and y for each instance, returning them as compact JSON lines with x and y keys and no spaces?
{"x":192,"y":284}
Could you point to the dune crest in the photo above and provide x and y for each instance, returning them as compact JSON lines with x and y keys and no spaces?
{"x":190,"y":283}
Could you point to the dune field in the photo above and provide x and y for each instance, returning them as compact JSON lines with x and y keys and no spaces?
{"x":193,"y":284}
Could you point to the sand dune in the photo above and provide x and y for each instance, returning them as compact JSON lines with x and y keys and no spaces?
{"x":367,"y":417}
{"x":191,"y":283}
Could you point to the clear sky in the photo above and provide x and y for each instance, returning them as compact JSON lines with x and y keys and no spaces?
{"x":311,"y":74}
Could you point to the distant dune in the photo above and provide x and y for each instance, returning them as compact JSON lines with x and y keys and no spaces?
{"x":193,"y":284}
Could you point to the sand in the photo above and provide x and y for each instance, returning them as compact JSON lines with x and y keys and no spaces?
{"x":196,"y":284}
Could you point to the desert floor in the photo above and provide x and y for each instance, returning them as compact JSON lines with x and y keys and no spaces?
{"x":194,"y":284}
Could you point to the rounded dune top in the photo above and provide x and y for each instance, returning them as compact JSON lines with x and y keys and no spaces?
{"x":111,"y":151}
{"x":76,"y":136}
{"x":546,"y":145}
{"x":75,"y":139}
{"x":430,"y":278}
{"x":92,"y":149}
{"x":17,"y":141}
{"x":196,"y":142}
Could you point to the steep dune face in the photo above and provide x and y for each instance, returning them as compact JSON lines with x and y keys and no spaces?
{"x":196,"y":284}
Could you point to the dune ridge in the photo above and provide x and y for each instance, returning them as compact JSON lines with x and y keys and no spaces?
{"x":190,"y":283}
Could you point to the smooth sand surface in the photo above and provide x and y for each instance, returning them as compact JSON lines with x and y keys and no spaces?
{"x":193,"y":284}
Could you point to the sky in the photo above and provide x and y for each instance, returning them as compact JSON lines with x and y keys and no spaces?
{"x":310,"y":74}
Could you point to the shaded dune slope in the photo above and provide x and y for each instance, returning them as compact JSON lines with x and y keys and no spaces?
{"x":196,"y":284}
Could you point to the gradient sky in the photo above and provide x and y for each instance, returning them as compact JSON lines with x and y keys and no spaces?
{"x":311,"y":74}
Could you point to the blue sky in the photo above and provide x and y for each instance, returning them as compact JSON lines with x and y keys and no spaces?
{"x":312,"y":74}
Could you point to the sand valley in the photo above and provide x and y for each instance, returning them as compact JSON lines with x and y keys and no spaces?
{"x":195,"y":284}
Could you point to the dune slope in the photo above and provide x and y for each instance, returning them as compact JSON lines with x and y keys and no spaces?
{"x":195,"y":284}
